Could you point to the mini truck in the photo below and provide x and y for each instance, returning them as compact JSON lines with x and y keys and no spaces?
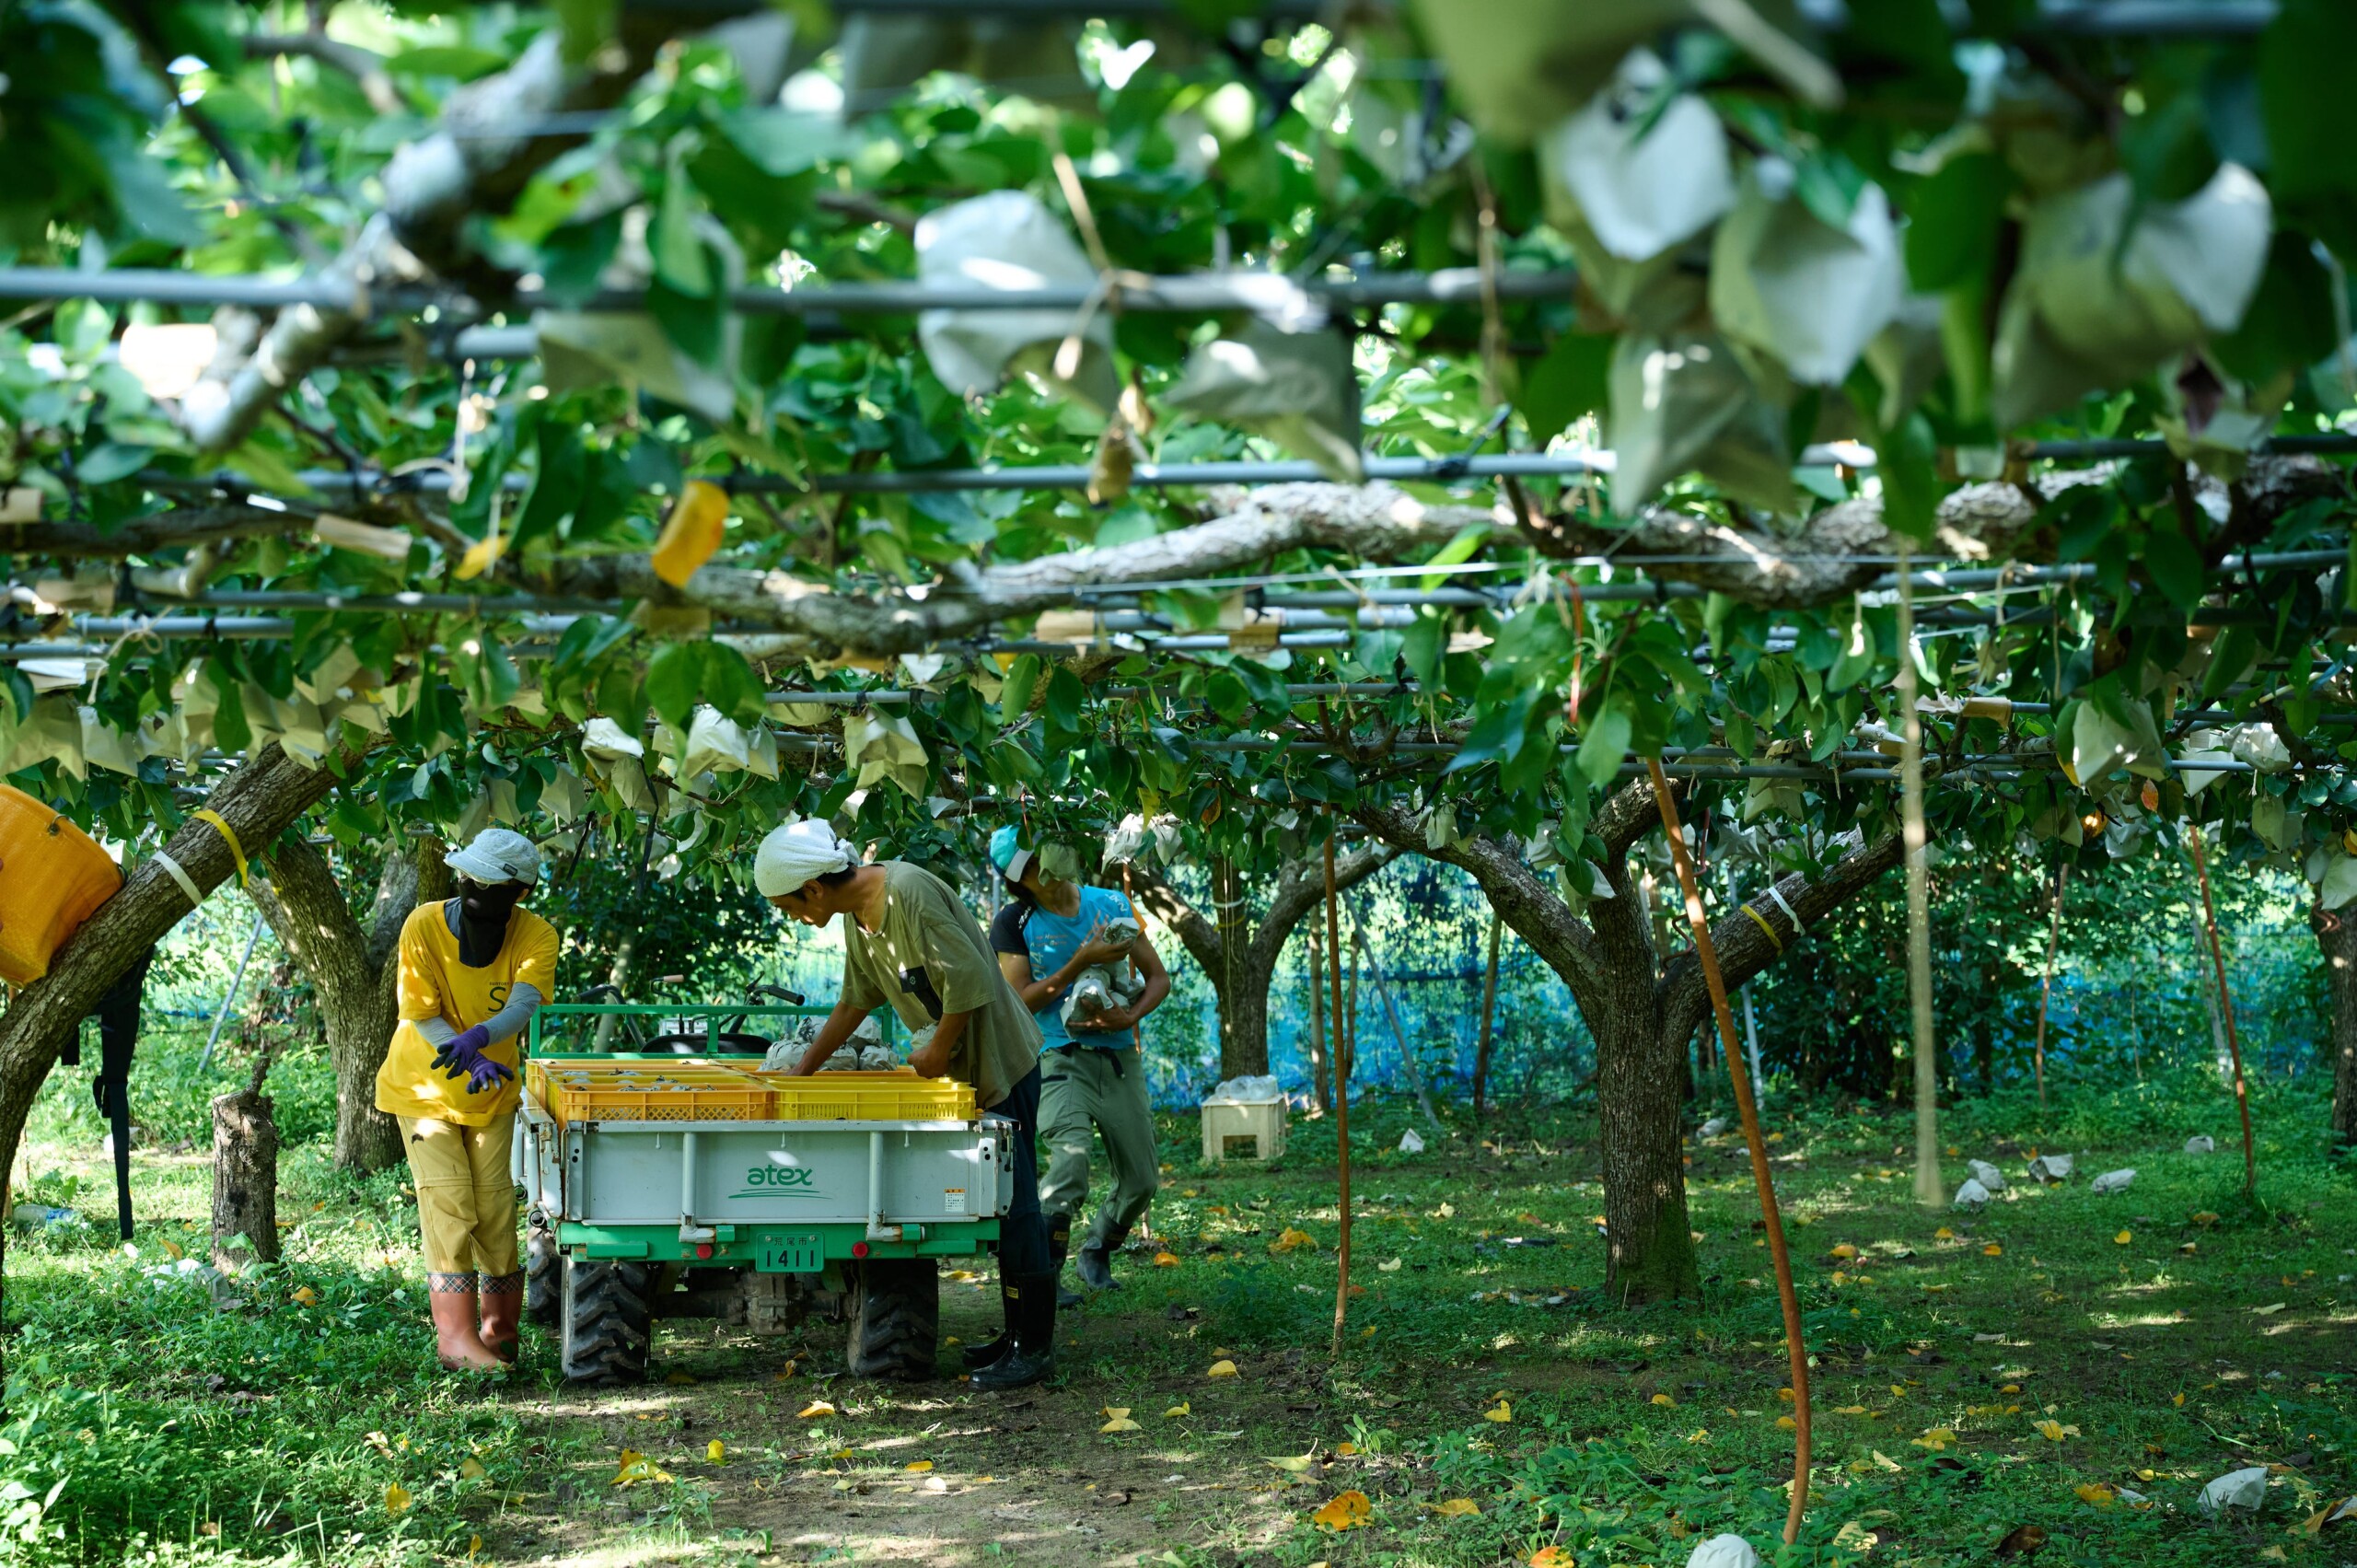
{"x":677,"y":1186}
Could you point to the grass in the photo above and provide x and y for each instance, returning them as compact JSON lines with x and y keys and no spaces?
{"x":150,"y":1420}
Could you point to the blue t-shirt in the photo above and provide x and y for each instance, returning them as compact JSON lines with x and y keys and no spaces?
{"x":1049,"y":940}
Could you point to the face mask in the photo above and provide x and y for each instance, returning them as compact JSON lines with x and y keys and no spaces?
{"x":482,"y":920}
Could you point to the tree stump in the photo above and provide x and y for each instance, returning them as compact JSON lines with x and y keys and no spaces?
{"x":245,"y":1179}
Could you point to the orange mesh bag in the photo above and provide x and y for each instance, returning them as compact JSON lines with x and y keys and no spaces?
{"x":53,"y":875}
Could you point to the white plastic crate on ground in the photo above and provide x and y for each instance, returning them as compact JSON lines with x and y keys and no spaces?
{"x":1252,"y":1130}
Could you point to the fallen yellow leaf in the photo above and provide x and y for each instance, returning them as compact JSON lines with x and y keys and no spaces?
{"x":1292,"y":1240}
{"x":2178,"y":1399}
{"x":1346,"y":1449}
{"x":716,"y":1450}
{"x":1665,"y":1400}
{"x":1502,"y":1413}
{"x":1166,"y":1259}
{"x":1935,"y":1439}
{"x":1457,"y":1508}
{"x":1786,"y":1396}
{"x":474,"y":1545}
{"x":307,"y":1296}
{"x":2097,"y":1493}
{"x":1293,"y":1463}
{"x":1553,"y":1557}
{"x":2123,"y":1238}
{"x":1445,"y":1212}
{"x":1116,"y":1419}
{"x":1222,"y":1369}
{"x":1845,"y":1251}
{"x":918,"y":1467}
{"x":1702,"y":1435}
{"x":1184,"y":1407}
{"x":814,"y":1410}
{"x":471,"y":1468}
{"x":636,"y":1466}
{"x":1993,"y":1250}
{"x":2054,"y":1431}
{"x":1346,"y":1511}
{"x":2205,"y":1217}
{"x":1787,"y":1423}
{"x":397,"y":1499}
{"x":1944,"y":1234}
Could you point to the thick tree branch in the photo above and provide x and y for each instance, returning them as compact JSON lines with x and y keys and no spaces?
{"x":258,"y":800}
{"x":1845,"y":547}
{"x":1744,"y":949}
{"x":472,"y":165}
{"x":1301,"y":886}
{"x":1196,"y":932}
{"x":1515,"y":890}
{"x":1374,"y":522}
{"x":188,"y":526}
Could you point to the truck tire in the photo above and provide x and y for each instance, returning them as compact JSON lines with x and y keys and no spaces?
{"x":607,"y":1319}
{"x":543,"y":1277}
{"x":895,"y":1312}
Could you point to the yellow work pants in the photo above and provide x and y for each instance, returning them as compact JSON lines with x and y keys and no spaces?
{"x":466,"y":1194}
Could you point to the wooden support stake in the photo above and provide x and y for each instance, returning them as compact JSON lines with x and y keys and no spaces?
{"x":2046,"y":989}
{"x":1707,"y":952}
{"x":2226,"y":1006}
{"x":1342,"y":1095}
{"x":1488,"y":1007}
{"x":1930,"y":1190}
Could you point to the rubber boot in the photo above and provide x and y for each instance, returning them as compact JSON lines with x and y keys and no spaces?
{"x":503,"y":1315}
{"x":456,"y":1342}
{"x":993,"y":1351}
{"x":1031,"y":1318}
{"x":1095,"y":1264}
{"x":1060,"y":1247}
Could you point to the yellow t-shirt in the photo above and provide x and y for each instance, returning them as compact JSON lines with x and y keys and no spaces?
{"x":433,"y":983}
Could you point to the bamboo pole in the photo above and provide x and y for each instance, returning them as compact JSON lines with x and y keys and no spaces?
{"x":1707,"y":952}
{"x":1930,"y":1190}
{"x":1321,"y":1059}
{"x":2046,"y":988}
{"x":1489,"y":1010}
{"x":2226,"y":1006}
{"x":1342,"y":1098}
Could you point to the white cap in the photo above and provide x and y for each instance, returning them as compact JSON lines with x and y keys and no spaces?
{"x":793,"y":855}
{"x":497,"y":855}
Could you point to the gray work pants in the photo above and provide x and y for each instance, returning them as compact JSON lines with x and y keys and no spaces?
{"x":1081,"y":1087}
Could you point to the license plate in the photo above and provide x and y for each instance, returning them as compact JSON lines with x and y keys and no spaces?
{"x":800,"y":1254}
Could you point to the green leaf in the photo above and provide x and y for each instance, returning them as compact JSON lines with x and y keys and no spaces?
{"x":1015,"y":696}
{"x":1605,"y":743}
{"x":588,"y":27}
{"x":731,"y":685}
{"x":1907,"y":464}
{"x":1952,"y":225}
{"x":680,"y":260}
{"x":1065,"y":696}
{"x":111,"y":460}
{"x":2303,"y":69}
{"x":1227,"y":694}
{"x":2229,"y":659}
{"x":1569,"y":381}
{"x":1856,"y":658}
{"x":674,"y":679}
{"x":457,"y":61}
{"x":1422,"y":645}
{"x":2176,"y":567}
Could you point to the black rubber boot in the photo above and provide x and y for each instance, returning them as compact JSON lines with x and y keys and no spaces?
{"x":994,"y":1350}
{"x":1031,"y":1317}
{"x":1059,"y":1247}
{"x":1095,"y":1263}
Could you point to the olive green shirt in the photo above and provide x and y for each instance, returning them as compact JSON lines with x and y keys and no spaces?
{"x":928,"y":958}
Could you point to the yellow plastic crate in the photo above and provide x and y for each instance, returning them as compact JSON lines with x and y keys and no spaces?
{"x":693,"y":1090}
{"x":895,"y":1096}
{"x":701,"y":1090}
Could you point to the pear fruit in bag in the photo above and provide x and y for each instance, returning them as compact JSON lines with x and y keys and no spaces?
{"x":2096,"y":303}
{"x":1008,"y":239}
{"x":1299,"y":389}
{"x":1684,"y":402}
{"x":1789,"y":283}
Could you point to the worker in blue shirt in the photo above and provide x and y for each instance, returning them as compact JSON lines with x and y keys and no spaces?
{"x":1088,"y":989}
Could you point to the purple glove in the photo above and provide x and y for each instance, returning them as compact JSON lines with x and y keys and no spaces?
{"x":464,"y":1055}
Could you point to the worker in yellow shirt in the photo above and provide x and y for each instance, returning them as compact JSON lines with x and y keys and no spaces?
{"x":472,"y":971}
